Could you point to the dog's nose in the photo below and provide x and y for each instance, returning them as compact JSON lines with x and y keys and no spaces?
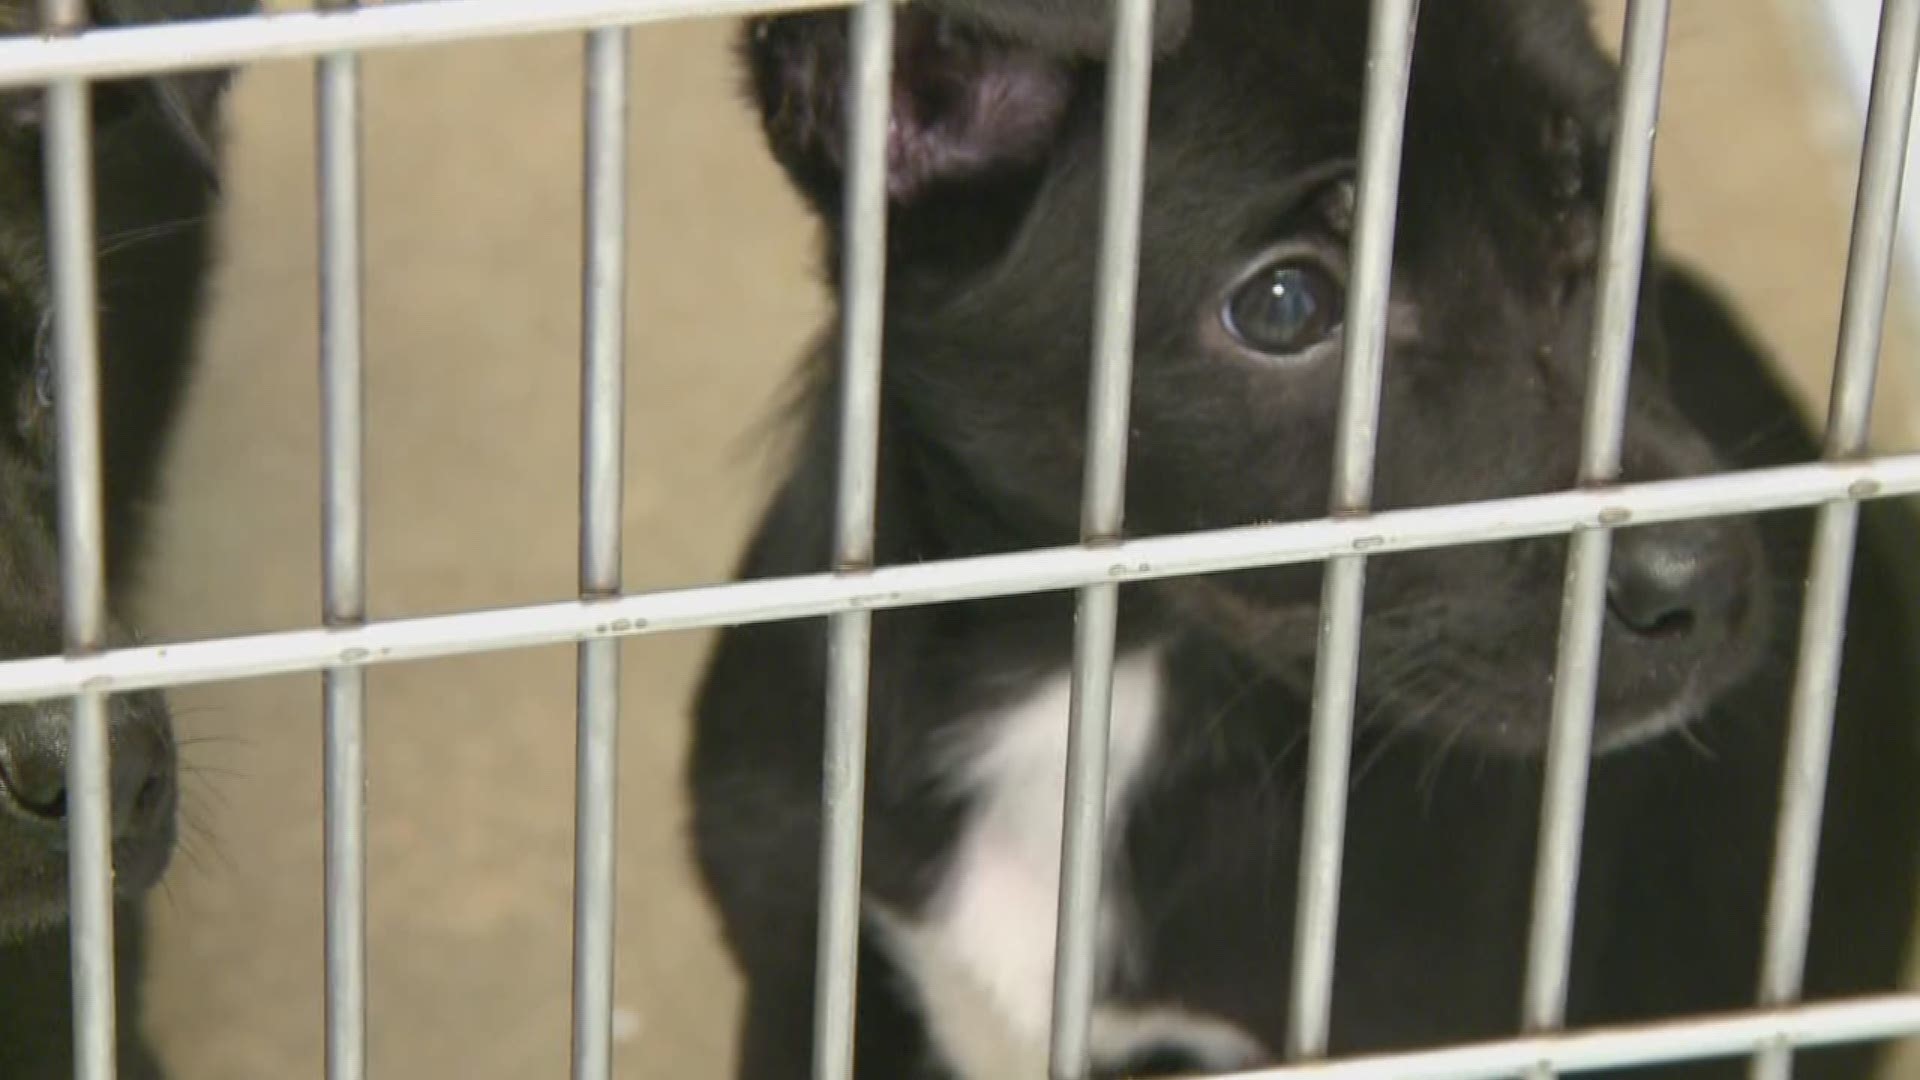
{"x":33,"y":769}
{"x":1669,"y":581}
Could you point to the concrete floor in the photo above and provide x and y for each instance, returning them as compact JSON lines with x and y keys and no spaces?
{"x":473,"y":219}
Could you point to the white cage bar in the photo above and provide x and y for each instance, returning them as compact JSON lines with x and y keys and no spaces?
{"x":346,"y":643}
{"x":1688,"y":1039}
{"x":343,"y":544}
{"x":1584,"y":602}
{"x":850,"y":632}
{"x":71,"y":258}
{"x":602,"y":446}
{"x":1102,"y":515}
{"x":951,"y":580}
{"x":1330,"y":740}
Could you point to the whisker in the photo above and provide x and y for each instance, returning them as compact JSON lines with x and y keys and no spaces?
{"x":117,"y":242}
{"x":1429,"y":781}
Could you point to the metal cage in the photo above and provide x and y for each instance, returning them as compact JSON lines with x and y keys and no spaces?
{"x":67,"y":59}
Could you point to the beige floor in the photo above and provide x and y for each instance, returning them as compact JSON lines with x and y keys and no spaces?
{"x":473,"y":213}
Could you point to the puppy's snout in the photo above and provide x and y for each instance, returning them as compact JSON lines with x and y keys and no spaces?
{"x":1674,"y":582}
{"x":34,"y":753}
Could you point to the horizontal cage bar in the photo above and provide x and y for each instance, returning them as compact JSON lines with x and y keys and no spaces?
{"x":1043,"y":570}
{"x":1860,"y":1020}
{"x":184,"y":46}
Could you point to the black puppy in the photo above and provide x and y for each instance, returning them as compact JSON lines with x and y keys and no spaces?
{"x":156,"y":176}
{"x":995,"y":158}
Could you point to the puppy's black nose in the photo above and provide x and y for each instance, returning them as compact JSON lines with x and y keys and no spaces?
{"x":33,"y":773}
{"x":33,"y":769}
{"x":1669,"y":581}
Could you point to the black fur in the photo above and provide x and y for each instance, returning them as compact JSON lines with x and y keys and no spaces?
{"x":995,"y":184}
{"x":156,"y":170}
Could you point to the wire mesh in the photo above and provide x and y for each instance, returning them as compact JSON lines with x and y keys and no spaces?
{"x":66,"y":58}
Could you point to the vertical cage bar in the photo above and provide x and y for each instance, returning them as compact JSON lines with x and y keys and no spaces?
{"x":1103,"y":507}
{"x":343,"y":544}
{"x":1823,"y":620}
{"x":70,"y":225}
{"x":850,"y":634}
{"x":602,"y":444}
{"x":1316,"y":921}
{"x":1584,"y":602}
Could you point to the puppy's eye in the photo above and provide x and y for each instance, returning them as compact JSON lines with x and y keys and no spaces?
{"x":1285,"y":307}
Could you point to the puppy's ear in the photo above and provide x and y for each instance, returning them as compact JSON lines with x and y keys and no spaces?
{"x":967,"y":107}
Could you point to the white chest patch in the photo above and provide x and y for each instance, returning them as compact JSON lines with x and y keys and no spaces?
{"x":981,"y":956}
